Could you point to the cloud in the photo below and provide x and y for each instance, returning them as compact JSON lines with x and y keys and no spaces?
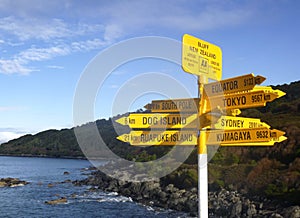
{"x":88,"y":45}
{"x":55,"y":67}
{"x":7,"y":134}
{"x":45,"y":29}
{"x":60,"y":28}
{"x":19,"y":63}
{"x":13,"y":66}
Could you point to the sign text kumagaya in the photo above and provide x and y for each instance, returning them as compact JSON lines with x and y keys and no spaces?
{"x":242,"y":135}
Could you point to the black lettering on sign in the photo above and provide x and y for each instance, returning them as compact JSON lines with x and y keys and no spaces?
{"x":193,"y":49}
{"x":203,"y":45}
{"x":232,"y":123}
{"x":150,"y":120}
{"x":235,"y":101}
{"x":131,"y":121}
{"x":257,"y":98}
{"x":249,"y":82}
{"x":233,"y":136}
{"x":207,"y":54}
{"x":226,"y":86}
{"x":183,"y":137}
{"x":267,"y":97}
{"x":264,"y":134}
{"x":255,"y":125}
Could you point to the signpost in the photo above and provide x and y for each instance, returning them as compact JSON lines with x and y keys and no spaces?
{"x":201,"y":58}
{"x":269,"y":143}
{"x":186,"y":121}
{"x":167,"y":121}
{"x":233,"y":85}
{"x":189,"y":105}
{"x":167,"y":138}
{"x":230,"y":122}
{"x":241,"y":100}
{"x":215,"y":137}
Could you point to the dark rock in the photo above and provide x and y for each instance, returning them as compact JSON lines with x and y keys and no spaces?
{"x":12,"y":182}
{"x":292,"y":212}
{"x":66,"y":173}
{"x":222,"y":203}
{"x":236,"y":209}
{"x":251,"y":210}
{"x":61,"y":200}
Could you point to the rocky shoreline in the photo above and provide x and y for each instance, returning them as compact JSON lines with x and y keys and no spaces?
{"x":222,"y":203}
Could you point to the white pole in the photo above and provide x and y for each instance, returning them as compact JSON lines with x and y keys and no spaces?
{"x":202,"y":186}
{"x":202,"y":156}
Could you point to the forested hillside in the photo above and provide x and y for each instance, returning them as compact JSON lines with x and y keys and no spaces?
{"x":271,"y":171}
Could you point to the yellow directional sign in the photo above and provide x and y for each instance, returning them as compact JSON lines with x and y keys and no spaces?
{"x":234,"y":112}
{"x":169,"y":137}
{"x":245,"y":99}
{"x":236,"y":84}
{"x":230,"y":123}
{"x":270,"y":143}
{"x":189,"y":105}
{"x":215,"y":137}
{"x":168,"y":121}
{"x":201,"y":58}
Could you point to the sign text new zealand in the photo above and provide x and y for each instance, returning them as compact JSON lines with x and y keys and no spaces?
{"x":201,"y":58}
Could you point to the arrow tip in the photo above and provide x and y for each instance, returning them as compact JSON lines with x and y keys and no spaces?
{"x":282,"y":138}
{"x":280,"y":93}
{"x":120,"y":121}
{"x":147,"y":106}
{"x":259,"y":79}
{"x":123,"y":138}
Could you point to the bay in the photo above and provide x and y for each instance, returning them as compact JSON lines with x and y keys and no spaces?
{"x":29,"y":200}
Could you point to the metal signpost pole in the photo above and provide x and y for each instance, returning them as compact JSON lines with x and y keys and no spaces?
{"x":202,"y":156}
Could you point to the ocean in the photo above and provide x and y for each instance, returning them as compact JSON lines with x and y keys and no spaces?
{"x":47,"y":181}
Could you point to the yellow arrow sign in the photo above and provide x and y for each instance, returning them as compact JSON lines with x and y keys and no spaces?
{"x":270,"y":143}
{"x":201,"y":58}
{"x":167,"y":121}
{"x":215,"y":137}
{"x":236,"y":84}
{"x":189,"y":105}
{"x":245,"y":100}
{"x":234,"y":112}
{"x":230,"y":123}
{"x":244,"y":137}
{"x":170,"y":137}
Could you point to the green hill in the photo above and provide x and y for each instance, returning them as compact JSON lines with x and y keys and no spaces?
{"x":271,"y":171}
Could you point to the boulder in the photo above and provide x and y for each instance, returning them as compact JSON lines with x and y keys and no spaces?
{"x":61,"y":200}
{"x":292,"y":212}
{"x":12,"y":182}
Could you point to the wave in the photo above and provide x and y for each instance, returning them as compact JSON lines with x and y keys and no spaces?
{"x":100,"y":197}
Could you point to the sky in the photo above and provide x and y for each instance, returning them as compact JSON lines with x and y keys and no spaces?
{"x":46,"y":47}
